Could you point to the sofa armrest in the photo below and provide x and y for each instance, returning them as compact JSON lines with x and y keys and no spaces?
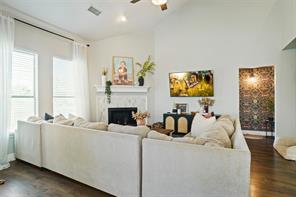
{"x":28,"y":142}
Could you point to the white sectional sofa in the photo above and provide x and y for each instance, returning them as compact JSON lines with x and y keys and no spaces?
{"x":179,"y":169}
{"x":128,"y":165}
{"x":28,"y":142}
{"x":107,"y":161}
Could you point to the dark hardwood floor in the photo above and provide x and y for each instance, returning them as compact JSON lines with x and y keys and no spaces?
{"x":271,"y":176}
{"x":25,"y":180}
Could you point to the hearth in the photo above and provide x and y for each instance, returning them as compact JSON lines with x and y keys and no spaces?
{"x":122,"y":115}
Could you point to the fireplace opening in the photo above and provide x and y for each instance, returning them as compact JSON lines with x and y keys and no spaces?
{"x":122,"y":116}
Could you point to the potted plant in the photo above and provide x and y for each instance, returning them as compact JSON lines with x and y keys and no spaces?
{"x":108,"y":91}
{"x":205,"y":103}
{"x":147,"y":67}
{"x":140,"y":117}
{"x":104,"y":76}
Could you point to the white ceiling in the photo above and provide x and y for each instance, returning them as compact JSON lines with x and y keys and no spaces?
{"x":72,"y":15}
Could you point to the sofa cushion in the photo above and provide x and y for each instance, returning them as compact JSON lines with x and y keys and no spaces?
{"x":225,"y":122}
{"x":35,"y":119}
{"x":216,"y":135}
{"x":159,"y":136}
{"x":201,"y":124}
{"x":60,"y":119}
{"x":138,"y":130}
{"x":80,"y":122}
{"x":189,"y":140}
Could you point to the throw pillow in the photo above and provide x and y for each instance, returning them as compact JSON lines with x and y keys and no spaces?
{"x":200,"y":124}
{"x":60,"y":119}
{"x":139,"y":130}
{"x":48,"y":117}
{"x":159,"y":136}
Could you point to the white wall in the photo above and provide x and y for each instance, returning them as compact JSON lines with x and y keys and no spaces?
{"x":289,"y":21}
{"x":138,"y":46}
{"x":224,"y":36}
{"x":46,"y":46}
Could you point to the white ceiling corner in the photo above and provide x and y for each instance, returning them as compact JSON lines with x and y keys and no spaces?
{"x":72,"y":15}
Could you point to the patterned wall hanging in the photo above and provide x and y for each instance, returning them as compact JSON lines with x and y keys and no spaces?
{"x":256,"y":97}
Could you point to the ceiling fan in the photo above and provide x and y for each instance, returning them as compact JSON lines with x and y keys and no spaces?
{"x":162,"y":3}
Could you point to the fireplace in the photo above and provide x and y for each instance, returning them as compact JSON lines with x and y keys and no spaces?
{"x":122,"y":116}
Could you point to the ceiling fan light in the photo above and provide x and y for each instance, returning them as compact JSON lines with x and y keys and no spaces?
{"x":159,"y":2}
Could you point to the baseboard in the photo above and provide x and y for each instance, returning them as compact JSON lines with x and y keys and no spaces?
{"x":11,"y":157}
{"x":260,"y":133}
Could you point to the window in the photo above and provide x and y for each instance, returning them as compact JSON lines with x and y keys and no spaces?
{"x":24,"y":86}
{"x":63,"y":87}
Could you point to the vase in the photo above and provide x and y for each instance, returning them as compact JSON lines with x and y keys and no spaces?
{"x":141,"y":122}
{"x":206,"y":108}
{"x":141,"y":81}
{"x":104,"y":79}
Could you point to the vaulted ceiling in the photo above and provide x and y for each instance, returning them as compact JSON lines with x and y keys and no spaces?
{"x":73,"y":16}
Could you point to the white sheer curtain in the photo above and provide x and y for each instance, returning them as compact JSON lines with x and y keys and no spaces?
{"x":6,"y":49}
{"x":81,"y":80}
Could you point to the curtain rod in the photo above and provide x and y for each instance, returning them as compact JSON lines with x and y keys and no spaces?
{"x":45,"y":30}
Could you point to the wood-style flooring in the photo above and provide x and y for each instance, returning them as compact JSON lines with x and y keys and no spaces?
{"x":25,"y":180}
{"x":271,"y":176}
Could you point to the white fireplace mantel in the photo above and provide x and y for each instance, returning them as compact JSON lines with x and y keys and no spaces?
{"x":124,"y":89}
{"x":122,"y":96}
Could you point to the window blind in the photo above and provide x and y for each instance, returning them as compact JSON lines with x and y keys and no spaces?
{"x":63,"y":87}
{"x":24,"y":95}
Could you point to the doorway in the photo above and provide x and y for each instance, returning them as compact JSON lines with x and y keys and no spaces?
{"x":257,"y":99}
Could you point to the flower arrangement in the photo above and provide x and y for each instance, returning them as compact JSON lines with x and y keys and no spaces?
{"x":140,"y":117}
{"x":206,"y":102}
{"x":104,"y":71}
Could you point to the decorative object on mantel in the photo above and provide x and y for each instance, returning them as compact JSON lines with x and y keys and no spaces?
{"x":123,"y":71}
{"x":104,"y":76}
{"x":108,"y":90}
{"x":205,"y":103}
{"x":140,"y":117}
{"x":147,"y":67}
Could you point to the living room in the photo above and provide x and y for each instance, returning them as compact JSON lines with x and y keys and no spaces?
{"x":89,"y":59}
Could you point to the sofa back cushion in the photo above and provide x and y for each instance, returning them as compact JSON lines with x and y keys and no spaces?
{"x":200,"y":124}
{"x":226,"y":123}
{"x":139,"y":130}
{"x":60,"y":119}
{"x":80,"y":122}
{"x":159,"y":136}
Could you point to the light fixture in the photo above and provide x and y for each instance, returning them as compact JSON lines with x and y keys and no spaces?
{"x":252,"y":78}
{"x":159,"y":2}
{"x":122,"y":19}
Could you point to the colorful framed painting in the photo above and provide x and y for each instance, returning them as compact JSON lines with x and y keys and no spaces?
{"x":123,"y":71}
{"x":192,"y":84}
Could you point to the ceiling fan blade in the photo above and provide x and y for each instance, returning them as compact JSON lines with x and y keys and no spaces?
{"x":164,"y":7}
{"x":135,"y":1}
